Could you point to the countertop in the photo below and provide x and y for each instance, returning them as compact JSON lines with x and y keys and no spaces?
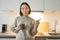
{"x":8,"y":34}
{"x":47,"y":36}
{"x":50,"y":34}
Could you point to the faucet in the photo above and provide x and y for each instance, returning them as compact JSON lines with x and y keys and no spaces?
{"x":55,"y":24}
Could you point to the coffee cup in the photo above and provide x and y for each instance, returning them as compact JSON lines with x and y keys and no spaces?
{"x":22,"y":26}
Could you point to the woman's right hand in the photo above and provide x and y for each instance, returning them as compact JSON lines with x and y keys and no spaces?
{"x":18,"y":27}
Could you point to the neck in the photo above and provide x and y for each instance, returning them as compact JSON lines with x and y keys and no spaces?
{"x":25,"y":15}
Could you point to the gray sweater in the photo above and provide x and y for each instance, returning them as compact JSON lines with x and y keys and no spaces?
{"x":30,"y":28}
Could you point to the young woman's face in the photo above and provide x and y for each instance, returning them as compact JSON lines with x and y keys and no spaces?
{"x":25,"y":10}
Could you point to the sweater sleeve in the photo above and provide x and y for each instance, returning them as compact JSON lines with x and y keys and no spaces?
{"x":13,"y":28}
{"x":34,"y":28}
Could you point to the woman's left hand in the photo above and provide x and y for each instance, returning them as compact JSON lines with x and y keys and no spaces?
{"x":37,"y":22}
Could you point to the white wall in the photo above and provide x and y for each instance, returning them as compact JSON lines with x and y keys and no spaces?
{"x":51,"y":17}
{"x":7,"y":17}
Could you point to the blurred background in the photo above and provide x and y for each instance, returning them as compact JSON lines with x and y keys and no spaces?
{"x":47,"y":10}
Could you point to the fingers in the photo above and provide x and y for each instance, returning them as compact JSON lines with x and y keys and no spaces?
{"x":37,"y":21}
{"x":18,"y":27}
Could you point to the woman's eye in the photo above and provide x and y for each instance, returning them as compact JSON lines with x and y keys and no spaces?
{"x":27,"y":8}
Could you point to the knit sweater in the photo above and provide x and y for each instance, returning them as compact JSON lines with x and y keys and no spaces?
{"x":30,"y":28}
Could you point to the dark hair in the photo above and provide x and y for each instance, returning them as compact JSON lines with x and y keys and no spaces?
{"x":24,"y":3}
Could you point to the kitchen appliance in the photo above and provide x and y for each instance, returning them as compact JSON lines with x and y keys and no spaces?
{"x":4,"y":28}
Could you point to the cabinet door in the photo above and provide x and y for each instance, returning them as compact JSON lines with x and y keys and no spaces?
{"x":7,"y":38}
{"x":9,"y":4}
{"x":52,"y":4}
{"x":36,"y":5}
{"x":52,"y":39}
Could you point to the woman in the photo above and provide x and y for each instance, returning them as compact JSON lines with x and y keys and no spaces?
{"x":30,"y":25}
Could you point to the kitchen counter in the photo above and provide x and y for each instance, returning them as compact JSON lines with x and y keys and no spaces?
{"x":47,"y":36}
{"x":8,"y":34}
{"x":50,"y":34}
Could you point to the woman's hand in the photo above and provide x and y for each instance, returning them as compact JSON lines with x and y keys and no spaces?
{"x":37,"y":22}
{"x":18,"y":27}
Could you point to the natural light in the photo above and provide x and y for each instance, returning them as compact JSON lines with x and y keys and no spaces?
{"x":36,"y":15}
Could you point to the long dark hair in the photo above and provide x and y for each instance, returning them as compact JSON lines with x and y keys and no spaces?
{"x":24,"y":3}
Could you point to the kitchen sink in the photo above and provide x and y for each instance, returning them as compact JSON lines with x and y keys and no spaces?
{"x":54,"y":34}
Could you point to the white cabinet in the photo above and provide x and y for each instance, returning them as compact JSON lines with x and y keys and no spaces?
{"x":9,"y":4}
{"x":7,"y":38}
{"x":52,"y":4}
{"x":36,"y":5}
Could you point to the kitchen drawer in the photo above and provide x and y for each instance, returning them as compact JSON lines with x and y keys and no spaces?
{"x":7,"y":38}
